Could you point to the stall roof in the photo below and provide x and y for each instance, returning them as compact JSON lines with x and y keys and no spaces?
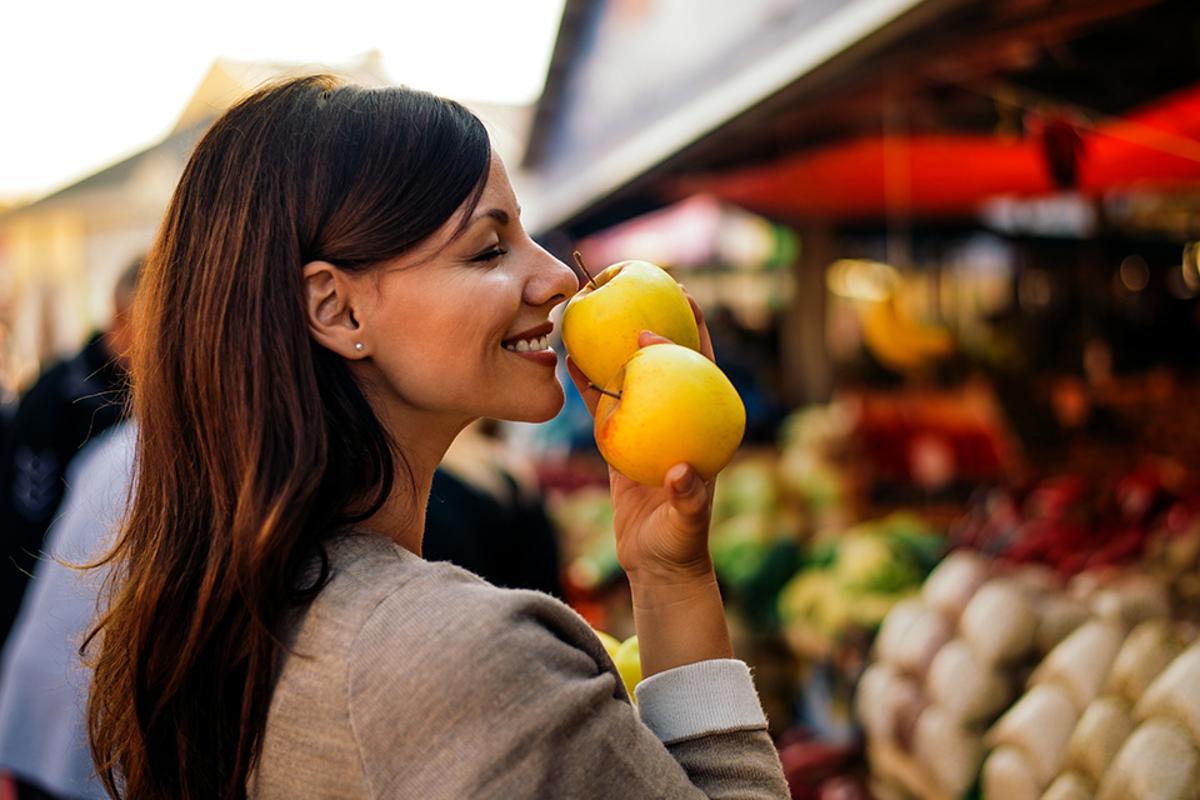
{"x":941,"y":71}
{"x":949,"y":175}
{"x":843,"y":32}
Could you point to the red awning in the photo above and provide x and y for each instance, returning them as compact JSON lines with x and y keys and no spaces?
{"x":950,"y":175}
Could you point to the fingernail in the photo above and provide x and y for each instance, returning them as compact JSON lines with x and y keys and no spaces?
{"x":683,"y":479}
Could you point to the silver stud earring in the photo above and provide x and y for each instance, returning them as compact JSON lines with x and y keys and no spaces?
{"x":358,"y":346}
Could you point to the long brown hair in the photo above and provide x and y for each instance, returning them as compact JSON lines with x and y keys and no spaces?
{"x":254,"y":443}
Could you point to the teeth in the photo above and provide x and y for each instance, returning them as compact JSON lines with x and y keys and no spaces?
{"x":526,"y":345}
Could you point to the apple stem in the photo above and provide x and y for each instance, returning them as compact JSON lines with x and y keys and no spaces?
{"x":614,"y":395}
{"x":579,"y":260}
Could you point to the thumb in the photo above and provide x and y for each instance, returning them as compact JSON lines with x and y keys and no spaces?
{"x":688,"y":497}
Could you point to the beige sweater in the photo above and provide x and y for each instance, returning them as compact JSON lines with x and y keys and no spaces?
{"x":417,"y":679}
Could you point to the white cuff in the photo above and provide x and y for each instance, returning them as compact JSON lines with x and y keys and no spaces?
{"x":696,"y":699}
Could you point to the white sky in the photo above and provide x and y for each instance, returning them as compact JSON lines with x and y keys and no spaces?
{"x":88,"y":83}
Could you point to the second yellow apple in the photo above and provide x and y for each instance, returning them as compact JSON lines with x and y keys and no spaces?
{"x":672,"y":406}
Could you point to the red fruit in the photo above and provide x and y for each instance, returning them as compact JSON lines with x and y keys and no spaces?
{"x":1073,"y":563}
{"x":807,"y":764}
{"x":844,"y":788}
{"x":1179,"y":517}
{"x":1054,"y":497}
{"x":1118,"y":550}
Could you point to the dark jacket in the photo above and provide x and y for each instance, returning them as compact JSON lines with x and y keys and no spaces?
{"x":511,"y":544}
{"x":73,"y":401}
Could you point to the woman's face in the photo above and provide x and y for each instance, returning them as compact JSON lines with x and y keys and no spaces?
{"x":460,"y":326}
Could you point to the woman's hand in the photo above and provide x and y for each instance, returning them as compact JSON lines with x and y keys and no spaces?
{"x":662,"y":531}
{"x":662,"y":543}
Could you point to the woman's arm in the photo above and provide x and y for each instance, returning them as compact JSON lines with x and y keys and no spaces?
{"x":680,"y":620}
{"x":662,"y":543}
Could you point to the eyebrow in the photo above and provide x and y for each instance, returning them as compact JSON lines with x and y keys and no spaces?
{"x":498,"y":214}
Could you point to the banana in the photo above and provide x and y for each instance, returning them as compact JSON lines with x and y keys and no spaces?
{"x":899,"y":342}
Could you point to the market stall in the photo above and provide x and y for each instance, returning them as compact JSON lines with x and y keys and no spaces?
{"x":959,"y":288}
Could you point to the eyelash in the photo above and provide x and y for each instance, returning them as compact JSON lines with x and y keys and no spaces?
{"x":489,"y":255}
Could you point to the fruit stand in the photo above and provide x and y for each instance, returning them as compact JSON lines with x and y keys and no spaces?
{"x":915,"y":578}
{"x":916,"y":651}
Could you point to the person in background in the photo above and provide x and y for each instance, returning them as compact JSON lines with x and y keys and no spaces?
{"x":8,"y":396}
{"x":486,"y":515}
{"x":72,"y":401}
{"x":43,"y":681}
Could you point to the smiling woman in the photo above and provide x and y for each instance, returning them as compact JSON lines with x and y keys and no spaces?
{"x":340,"y":285}
{"x":441,"y":323}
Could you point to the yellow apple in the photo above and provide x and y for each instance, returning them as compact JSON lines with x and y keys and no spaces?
{"x":600,"y":325}
{"x":628,"y":661}
{"x":674,"y":406}
{"x":610,"y":643}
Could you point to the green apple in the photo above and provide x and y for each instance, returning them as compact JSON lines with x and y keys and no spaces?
{"x":628,"y":661}
{"x":610,"y":644}
{"x":668,"y":405}
{"x":600,"y":324}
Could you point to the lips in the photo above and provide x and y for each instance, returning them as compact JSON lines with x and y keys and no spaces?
{"x":532,"y":333}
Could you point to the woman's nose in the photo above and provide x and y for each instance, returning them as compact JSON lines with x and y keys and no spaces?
{"x":552,"y":281}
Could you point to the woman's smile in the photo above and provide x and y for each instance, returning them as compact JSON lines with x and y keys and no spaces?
{"x":533,"y":345}
{"x":547,"y":358}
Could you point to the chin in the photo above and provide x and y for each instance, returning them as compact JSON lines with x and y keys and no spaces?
{"x":542,"y":406}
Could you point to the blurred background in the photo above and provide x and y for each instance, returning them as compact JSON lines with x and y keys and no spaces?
{"x":950,"y":255}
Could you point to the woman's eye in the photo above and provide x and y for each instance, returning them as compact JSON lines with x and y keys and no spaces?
{"x":489,"y":255}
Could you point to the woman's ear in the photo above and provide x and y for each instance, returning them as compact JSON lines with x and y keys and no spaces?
{"x":331,"y":319}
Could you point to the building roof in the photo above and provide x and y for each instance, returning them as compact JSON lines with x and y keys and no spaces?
{"x":225,"y":82}
{"x":177,"y":145}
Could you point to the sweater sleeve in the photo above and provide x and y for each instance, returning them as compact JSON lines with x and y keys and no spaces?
{"x":508,"y":694}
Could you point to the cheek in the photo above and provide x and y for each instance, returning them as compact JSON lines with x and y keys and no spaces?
{"x":441,"y":338}
{"x":437,"y":350}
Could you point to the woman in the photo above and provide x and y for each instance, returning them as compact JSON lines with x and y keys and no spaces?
{"x":337,"y":290}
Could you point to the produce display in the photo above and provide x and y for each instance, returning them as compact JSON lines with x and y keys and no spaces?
{"x":817,"y":458}
{"x":659,"y":405}
{"x":854,"y":579}
{"x":1011,"y":681}
{"x":628,"y":660}
{"x":626,"y":657}
{"x":915,"y":442}
{"x":900,"y":342}
{"x":1051,"y":654}
{"x":584,"y":521}
{"x":1087,"y":727}
{"x":1072,"y":523}
{"x":756,"y":539}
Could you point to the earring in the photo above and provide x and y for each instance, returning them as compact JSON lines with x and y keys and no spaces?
{"x":358,"y":346}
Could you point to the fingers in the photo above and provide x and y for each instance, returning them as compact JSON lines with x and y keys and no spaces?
{"x":590,"y":396}
{"x":706,"y":347}
{"x":688,"y":495}
{"x":647,"y":338}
